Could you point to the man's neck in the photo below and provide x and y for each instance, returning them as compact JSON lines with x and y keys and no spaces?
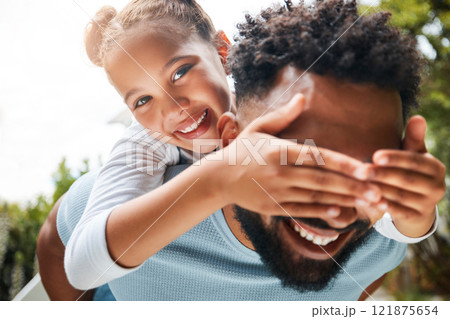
{"x":235,"y":227}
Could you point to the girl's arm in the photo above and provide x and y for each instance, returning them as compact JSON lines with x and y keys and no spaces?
{"x":136,"y":166}
{"x":111,"y":244}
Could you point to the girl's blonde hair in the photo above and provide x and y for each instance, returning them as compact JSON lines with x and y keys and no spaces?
{"x":108,"y":26}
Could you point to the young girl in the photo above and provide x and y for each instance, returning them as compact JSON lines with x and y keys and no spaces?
{"x":167,"y":62}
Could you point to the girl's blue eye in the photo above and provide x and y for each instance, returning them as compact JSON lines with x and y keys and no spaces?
{"x":181,"y":72}
{"x":142,"y":101}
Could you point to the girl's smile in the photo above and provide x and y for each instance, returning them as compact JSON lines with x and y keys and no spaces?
{"x":194,"y":127}
{"x":172,"y":85}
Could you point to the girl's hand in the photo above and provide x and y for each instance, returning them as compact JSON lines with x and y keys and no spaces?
{"x":262,"y":173}
{"x":412,"y":181}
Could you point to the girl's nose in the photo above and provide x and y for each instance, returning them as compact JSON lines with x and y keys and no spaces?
{"x":183,"y":105}
{"x":176,"y":110}
{"x":176,"y":106}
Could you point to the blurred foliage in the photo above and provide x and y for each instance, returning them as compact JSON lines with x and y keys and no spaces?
{"x":63,"y":179}
{"x":19,"y":228}
{"x":427,"y":267}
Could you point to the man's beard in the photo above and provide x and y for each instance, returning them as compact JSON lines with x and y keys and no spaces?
{"x":294,"y":270}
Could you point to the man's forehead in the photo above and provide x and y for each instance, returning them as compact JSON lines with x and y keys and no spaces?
{"x":328,"y":89}
{"x":338,"y":114}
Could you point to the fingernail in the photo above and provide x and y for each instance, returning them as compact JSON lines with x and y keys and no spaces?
{"x":333,"y":211}
{"x":361,"y":173}
{"x":371,"y":195}
{"x":383,"y":206}
{"x":382,"y":160}
{"x":361,"y":202}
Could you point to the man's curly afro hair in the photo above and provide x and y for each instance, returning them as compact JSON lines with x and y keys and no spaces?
{"x":330,"y":38}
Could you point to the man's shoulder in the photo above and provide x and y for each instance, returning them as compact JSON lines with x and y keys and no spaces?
{"x":73,"y":204}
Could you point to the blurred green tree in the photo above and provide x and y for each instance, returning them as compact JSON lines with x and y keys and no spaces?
{"x":19,"y":228}
{"x":429,"y":23}
{"x":63,"y":178}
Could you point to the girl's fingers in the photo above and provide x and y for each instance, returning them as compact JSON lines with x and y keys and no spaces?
{"x":317,"y":179}
{"x":306,"y":155}
{"x":421,"y":163}
{"x":405,"y":198}
{"x":303,"y":210}
{"x":333,"y":215}
{"x":407,"y":180}
{"x":300,"y":195}
{"x":375,"y":212}
{"x":415,"y":135}
{"x":399,"y":211}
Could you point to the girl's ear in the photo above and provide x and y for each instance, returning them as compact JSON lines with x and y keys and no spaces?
{"x":228,"y":128}
{"x":223,"y":46}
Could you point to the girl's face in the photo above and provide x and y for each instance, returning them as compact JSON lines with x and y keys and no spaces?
{"x":173,"y":86}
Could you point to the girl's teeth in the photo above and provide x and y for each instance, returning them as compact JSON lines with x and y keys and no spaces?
{"x":194,"y":125}
{"x":318,"y":240}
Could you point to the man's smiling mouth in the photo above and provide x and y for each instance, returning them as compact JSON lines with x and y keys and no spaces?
{"x":316,"y":239}
{"x":311,"y":242}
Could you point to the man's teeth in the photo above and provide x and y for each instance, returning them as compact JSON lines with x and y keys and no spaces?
{"x":195,"y":125}
{"x":318,"y":240}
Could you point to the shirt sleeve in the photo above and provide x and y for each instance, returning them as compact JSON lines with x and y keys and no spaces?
{"x":136,"y":166}
{"x":385,"y":226}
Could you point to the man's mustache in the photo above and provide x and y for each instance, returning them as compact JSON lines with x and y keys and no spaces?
{"x":358,"y":225}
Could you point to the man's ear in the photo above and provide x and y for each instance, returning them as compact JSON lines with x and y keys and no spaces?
{"x":228,"y":128}
{"x":223,"y":45}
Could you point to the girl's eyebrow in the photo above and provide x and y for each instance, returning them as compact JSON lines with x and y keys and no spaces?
{"x":130,"y":93}
{"x":173,"y":61}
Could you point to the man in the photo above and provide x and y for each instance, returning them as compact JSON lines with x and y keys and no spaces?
{"x":354,"y":119}
{"x":302,"y":258}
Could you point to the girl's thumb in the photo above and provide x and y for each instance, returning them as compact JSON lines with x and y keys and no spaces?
{"x":274,"y":122}
{"x":414,"y":139}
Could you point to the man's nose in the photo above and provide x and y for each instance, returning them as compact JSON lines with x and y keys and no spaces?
{"x":347,"y":217}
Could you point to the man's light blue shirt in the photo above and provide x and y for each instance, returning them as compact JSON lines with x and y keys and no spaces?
{"x":209,"y":263}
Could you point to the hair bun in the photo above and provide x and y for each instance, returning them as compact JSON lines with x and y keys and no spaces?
{"x":95,"y":32}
